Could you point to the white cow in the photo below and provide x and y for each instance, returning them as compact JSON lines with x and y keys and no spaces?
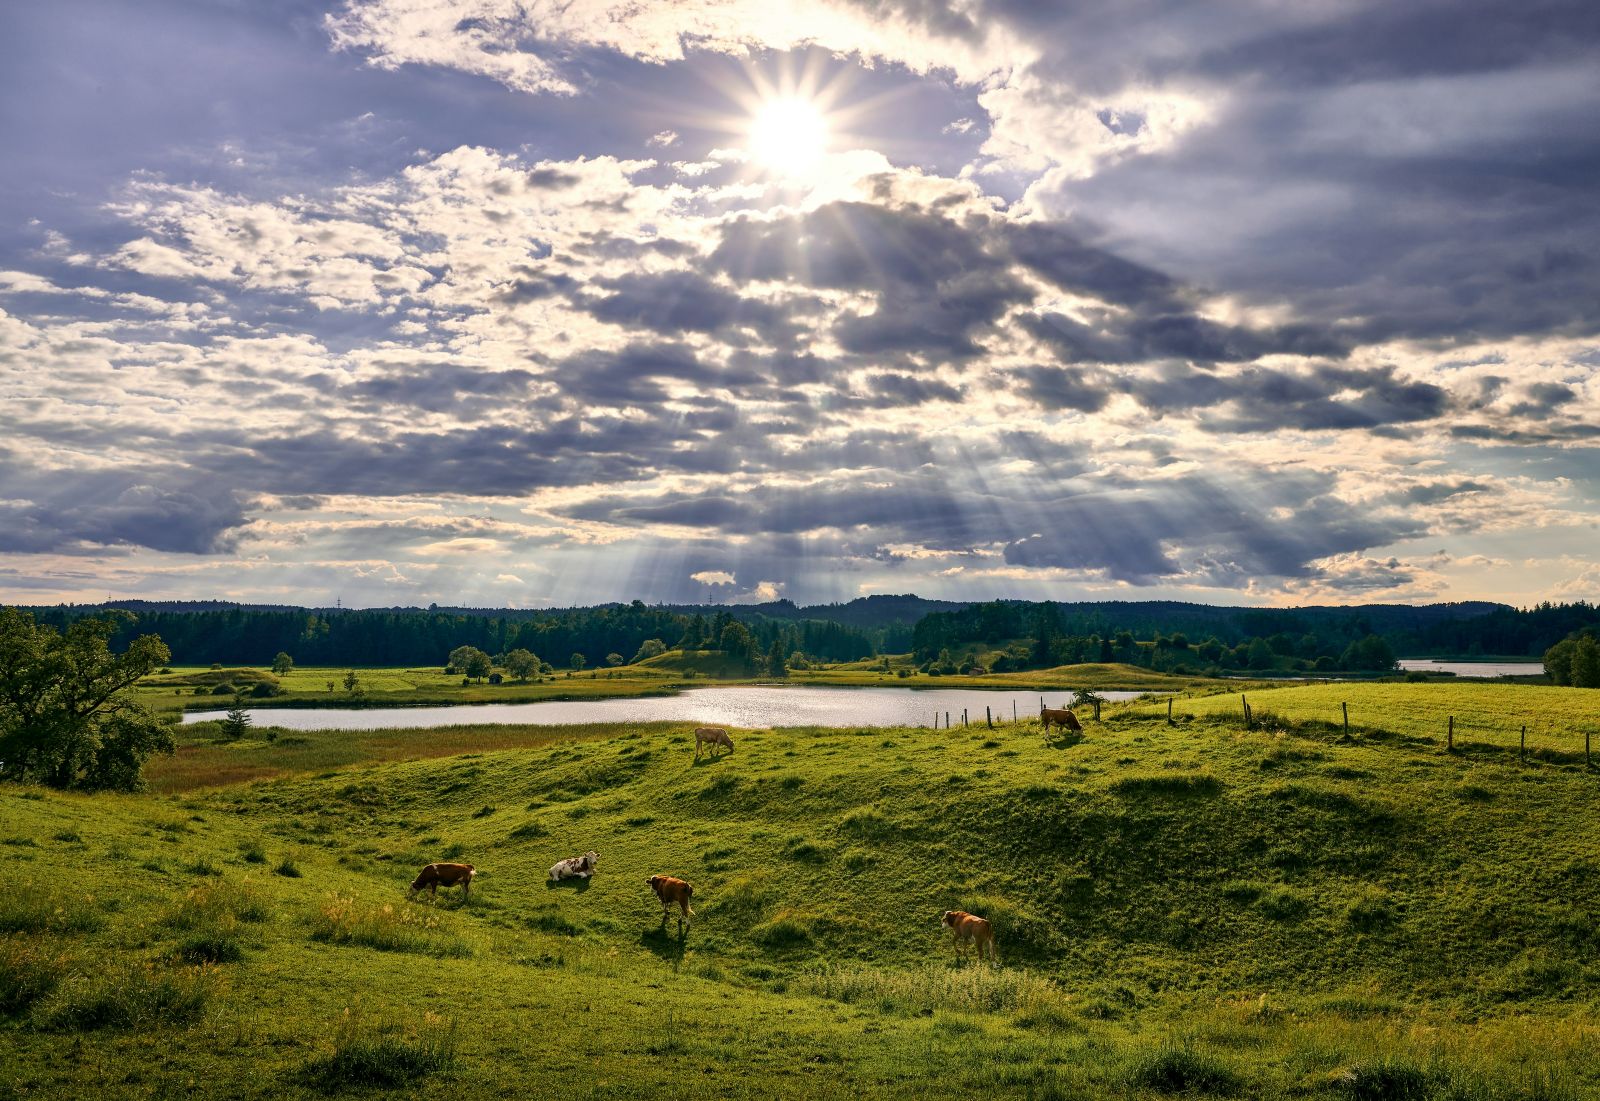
{"x":575,"y":867}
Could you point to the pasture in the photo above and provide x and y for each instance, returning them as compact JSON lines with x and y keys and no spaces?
{"x":1195,"y":909}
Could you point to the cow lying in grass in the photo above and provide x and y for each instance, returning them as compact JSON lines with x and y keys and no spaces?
{"x":965,"y":927}
{"x":715,"y":735}
{"x":1061,"y":716}
{"x":575,"y":867}
{"x":670,"y":890}
{"x":435,"y":876}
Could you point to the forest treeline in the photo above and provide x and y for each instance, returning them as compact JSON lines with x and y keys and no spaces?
{"x":997,"y":635}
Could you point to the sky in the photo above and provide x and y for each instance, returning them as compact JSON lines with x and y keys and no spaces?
{"x":532,"y":303}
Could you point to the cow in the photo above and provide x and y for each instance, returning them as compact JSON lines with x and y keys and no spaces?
{"x":435,"y":876}
{"x":669,"y":890}
{"x":1061,"y":716}
{"x":575,"y":867}
{"x":969,"y":927}
{"x":713,"y":734}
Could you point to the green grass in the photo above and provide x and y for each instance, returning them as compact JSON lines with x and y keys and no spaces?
{"x":1486,"y":714}
{"x":1195,"y":910}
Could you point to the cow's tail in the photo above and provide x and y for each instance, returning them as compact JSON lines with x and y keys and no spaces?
{"x":688,"y":899}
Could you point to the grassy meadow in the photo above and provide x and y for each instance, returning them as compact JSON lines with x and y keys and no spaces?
{"x":1190,"y":910}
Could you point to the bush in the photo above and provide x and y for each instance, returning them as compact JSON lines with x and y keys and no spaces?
{"x":136,"y":997}
{"x":34,"y":909}
{"x":289,"y":869}
{"x":212,"y":946}
{"x":1385,"y":1080}
{"x":254,"y":853}
{"x":1181,"y":1069}
{"x":384,"y":1055}
{"x":224,"y":689}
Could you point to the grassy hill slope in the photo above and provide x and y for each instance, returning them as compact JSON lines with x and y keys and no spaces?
{"x":1235,"y":914}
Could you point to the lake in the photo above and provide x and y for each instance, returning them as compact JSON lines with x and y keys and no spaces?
{"x":1475,"y":668}
{"x":747,"y":706}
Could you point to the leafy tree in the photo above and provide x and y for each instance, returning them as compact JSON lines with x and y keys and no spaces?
{"x":1087,"y":697}
{"x":1260,"y":655}
{"x":351,"y":682}
{"x":65,"y":717}
{"x":1371,"y":653}
{"x":522,"y":664}
{"x":237,"y":721}
{"x":577,"y":661}
{"x":1586,"y":663}
{"x":282,"y":663}
{"x":649,"y":648}
{"x":471,"y":661}
{"x":613,"y":660}
{"x":1558,"y":661}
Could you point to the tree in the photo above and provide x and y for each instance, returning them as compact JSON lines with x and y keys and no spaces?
{"x":577,"y":661}
{"x":1087,"y":697}
{"x":649,"y":648}
{"x":471,"y":661}
{"x":1370,"y":653}
{"x":777,"y":666}
{"x":237,"y":721}
{"x":522,"y":664}
{"x":613,"y":660}
{"x":1586,"y":663}
{"x":282,"y":663}
{"x":1260,"y":654}
{"x":65,"y":718}
{"x":351,"y":682}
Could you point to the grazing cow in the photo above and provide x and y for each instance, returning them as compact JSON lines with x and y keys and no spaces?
{"x":969,"y":927}
{"x":669,"y":890}
{"x":1061,"y":716}
{"x":435,"y":876}
{"x":575,"y":867}
{"x":713,"y":734}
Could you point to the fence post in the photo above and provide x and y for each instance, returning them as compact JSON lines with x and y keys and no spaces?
{"x":1522,"y":753}
{"x":1169,"y":710}
{"x":1586,"y":749}
{"x":988,"y":718}
{"x":1345,"y":707}
{"x":1246,"y":704}
{"x":947,"y":720}
{"x":1013,"y":710}
{"x":963,"y":716}
{"x":1450,"y":736}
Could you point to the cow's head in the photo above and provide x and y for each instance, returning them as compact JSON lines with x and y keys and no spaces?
{"x":948,"y":919}
{"x":590,"y":859}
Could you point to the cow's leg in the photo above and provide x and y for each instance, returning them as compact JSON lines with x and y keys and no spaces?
{"x":466,"y":888}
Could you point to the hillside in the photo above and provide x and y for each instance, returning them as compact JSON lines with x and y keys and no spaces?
{"x":1247,"y":914}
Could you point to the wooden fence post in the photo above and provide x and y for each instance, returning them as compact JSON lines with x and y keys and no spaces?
{"x":1169,"y":710}
{"x":1013,"y":710}
{"x":1450,"y":736}
{"x":1585,"y":749}
{"x":963,"y":716}
{"x":1345,"y":707}
{"x":1522,"y":753}
{"x":988,"y":718}
{"x":947,"y":720}
{"x":1246,"y":704}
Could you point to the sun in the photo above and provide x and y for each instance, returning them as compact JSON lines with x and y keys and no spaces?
{"x":788,"y":136}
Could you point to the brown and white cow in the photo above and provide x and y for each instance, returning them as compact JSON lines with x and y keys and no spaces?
{"x":1061,"y":716}
{"x":575,"y":867}
{"x":715,"y":735}
{"x":435,"y":876}
{"x":970,"y":928}
{"x":670,"y":890}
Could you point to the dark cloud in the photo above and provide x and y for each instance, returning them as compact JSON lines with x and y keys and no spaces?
{"x":67,"y":512}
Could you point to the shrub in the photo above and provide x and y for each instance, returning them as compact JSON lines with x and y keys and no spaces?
{"x":288,"y":868}
{"x":129,"y":998}
{"x":211,"y":946}
{"x":384,"y":1055}
{"x":1181,"y":1069}
{"x":29,"y":972}
{"x":31,"y":908}
{"x":1385,"y":1080}
{"x":224,"y":689}
{"x":254,"y":853}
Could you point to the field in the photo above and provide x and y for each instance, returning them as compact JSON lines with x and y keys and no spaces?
{"x":1486,"y":714}
{"x":1195,"y":910}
